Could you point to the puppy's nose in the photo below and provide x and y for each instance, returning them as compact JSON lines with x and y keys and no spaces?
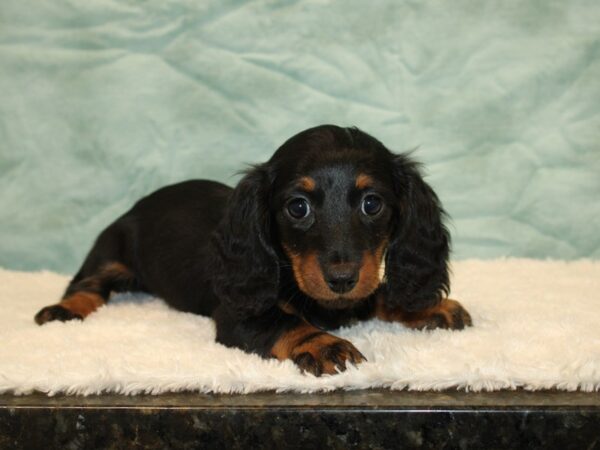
{"x":341,"y":280}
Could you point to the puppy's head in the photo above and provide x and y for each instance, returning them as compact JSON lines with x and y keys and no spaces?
{"x":333,"y":200}
{"x":334,"y":204}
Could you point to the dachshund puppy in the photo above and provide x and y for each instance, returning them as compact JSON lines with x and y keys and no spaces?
{"x":297,"y":248}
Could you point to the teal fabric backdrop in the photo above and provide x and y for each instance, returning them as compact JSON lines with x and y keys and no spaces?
{"x":103,"y":101}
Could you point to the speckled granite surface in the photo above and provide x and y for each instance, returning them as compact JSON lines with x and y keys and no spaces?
{"x":360,"y":419}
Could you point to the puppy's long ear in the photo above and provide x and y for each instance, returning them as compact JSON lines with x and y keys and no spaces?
{"x":246,"y":270}
{"x":417,"y":256}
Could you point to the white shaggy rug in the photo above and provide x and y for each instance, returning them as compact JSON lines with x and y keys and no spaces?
{"x":537,"y":326}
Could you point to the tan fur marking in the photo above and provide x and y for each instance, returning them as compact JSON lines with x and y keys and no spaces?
{"x":82,"y":303}
{"x":369,"y":277}
{"x":115,"y":269}
{"x":314,"y":345}
{"x":423,"y":319}
{"x":363,"y":181}
{"x":310,"y":279}
{"x":287,"y":308}
{"x":84,"y":296}
{"x":308,"y":275}
{"x":307,"y":183}
{"x":284,"y":346}
{"x":118,"y":267}
{"x":290,"y":346}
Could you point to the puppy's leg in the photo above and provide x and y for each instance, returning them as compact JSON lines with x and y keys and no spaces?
{"x":278,"y":334}
{"x":448,"y":314}
{"x":102,"y":272}
{"x":85,"y":295}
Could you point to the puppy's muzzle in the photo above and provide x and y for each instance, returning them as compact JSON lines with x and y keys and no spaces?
{"x":341,"y":278}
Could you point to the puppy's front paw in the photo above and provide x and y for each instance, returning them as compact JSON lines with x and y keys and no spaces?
{"x":449,"y":314}
{"x":55,"y":312}
{"x":459,"y":316}
{"x":315,"y":351}
{"x":325,"y":354}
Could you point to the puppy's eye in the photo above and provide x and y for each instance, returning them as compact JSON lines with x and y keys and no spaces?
{"x":298,"y":208}
{"x":371,"y":205}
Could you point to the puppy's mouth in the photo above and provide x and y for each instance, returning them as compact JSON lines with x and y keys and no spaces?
{"x":311,"y":280}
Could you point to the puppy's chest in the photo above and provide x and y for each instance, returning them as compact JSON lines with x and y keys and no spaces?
{"x":328,"y":318}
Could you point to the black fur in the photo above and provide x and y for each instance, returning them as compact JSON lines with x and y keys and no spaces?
{"x":246,"y":265}
{"x":417,"y":257}
{"x":211,"y":250}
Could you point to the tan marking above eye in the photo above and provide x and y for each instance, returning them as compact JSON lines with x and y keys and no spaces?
{"x":307,"y":183}
{"x":363,"y":181}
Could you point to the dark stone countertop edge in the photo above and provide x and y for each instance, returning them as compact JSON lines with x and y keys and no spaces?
{"x":363,"y":400}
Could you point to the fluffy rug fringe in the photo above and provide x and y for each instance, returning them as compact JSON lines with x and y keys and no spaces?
{"x":537,"y":326}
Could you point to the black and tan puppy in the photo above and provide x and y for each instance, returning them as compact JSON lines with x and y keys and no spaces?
{"x":294,"y":250}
